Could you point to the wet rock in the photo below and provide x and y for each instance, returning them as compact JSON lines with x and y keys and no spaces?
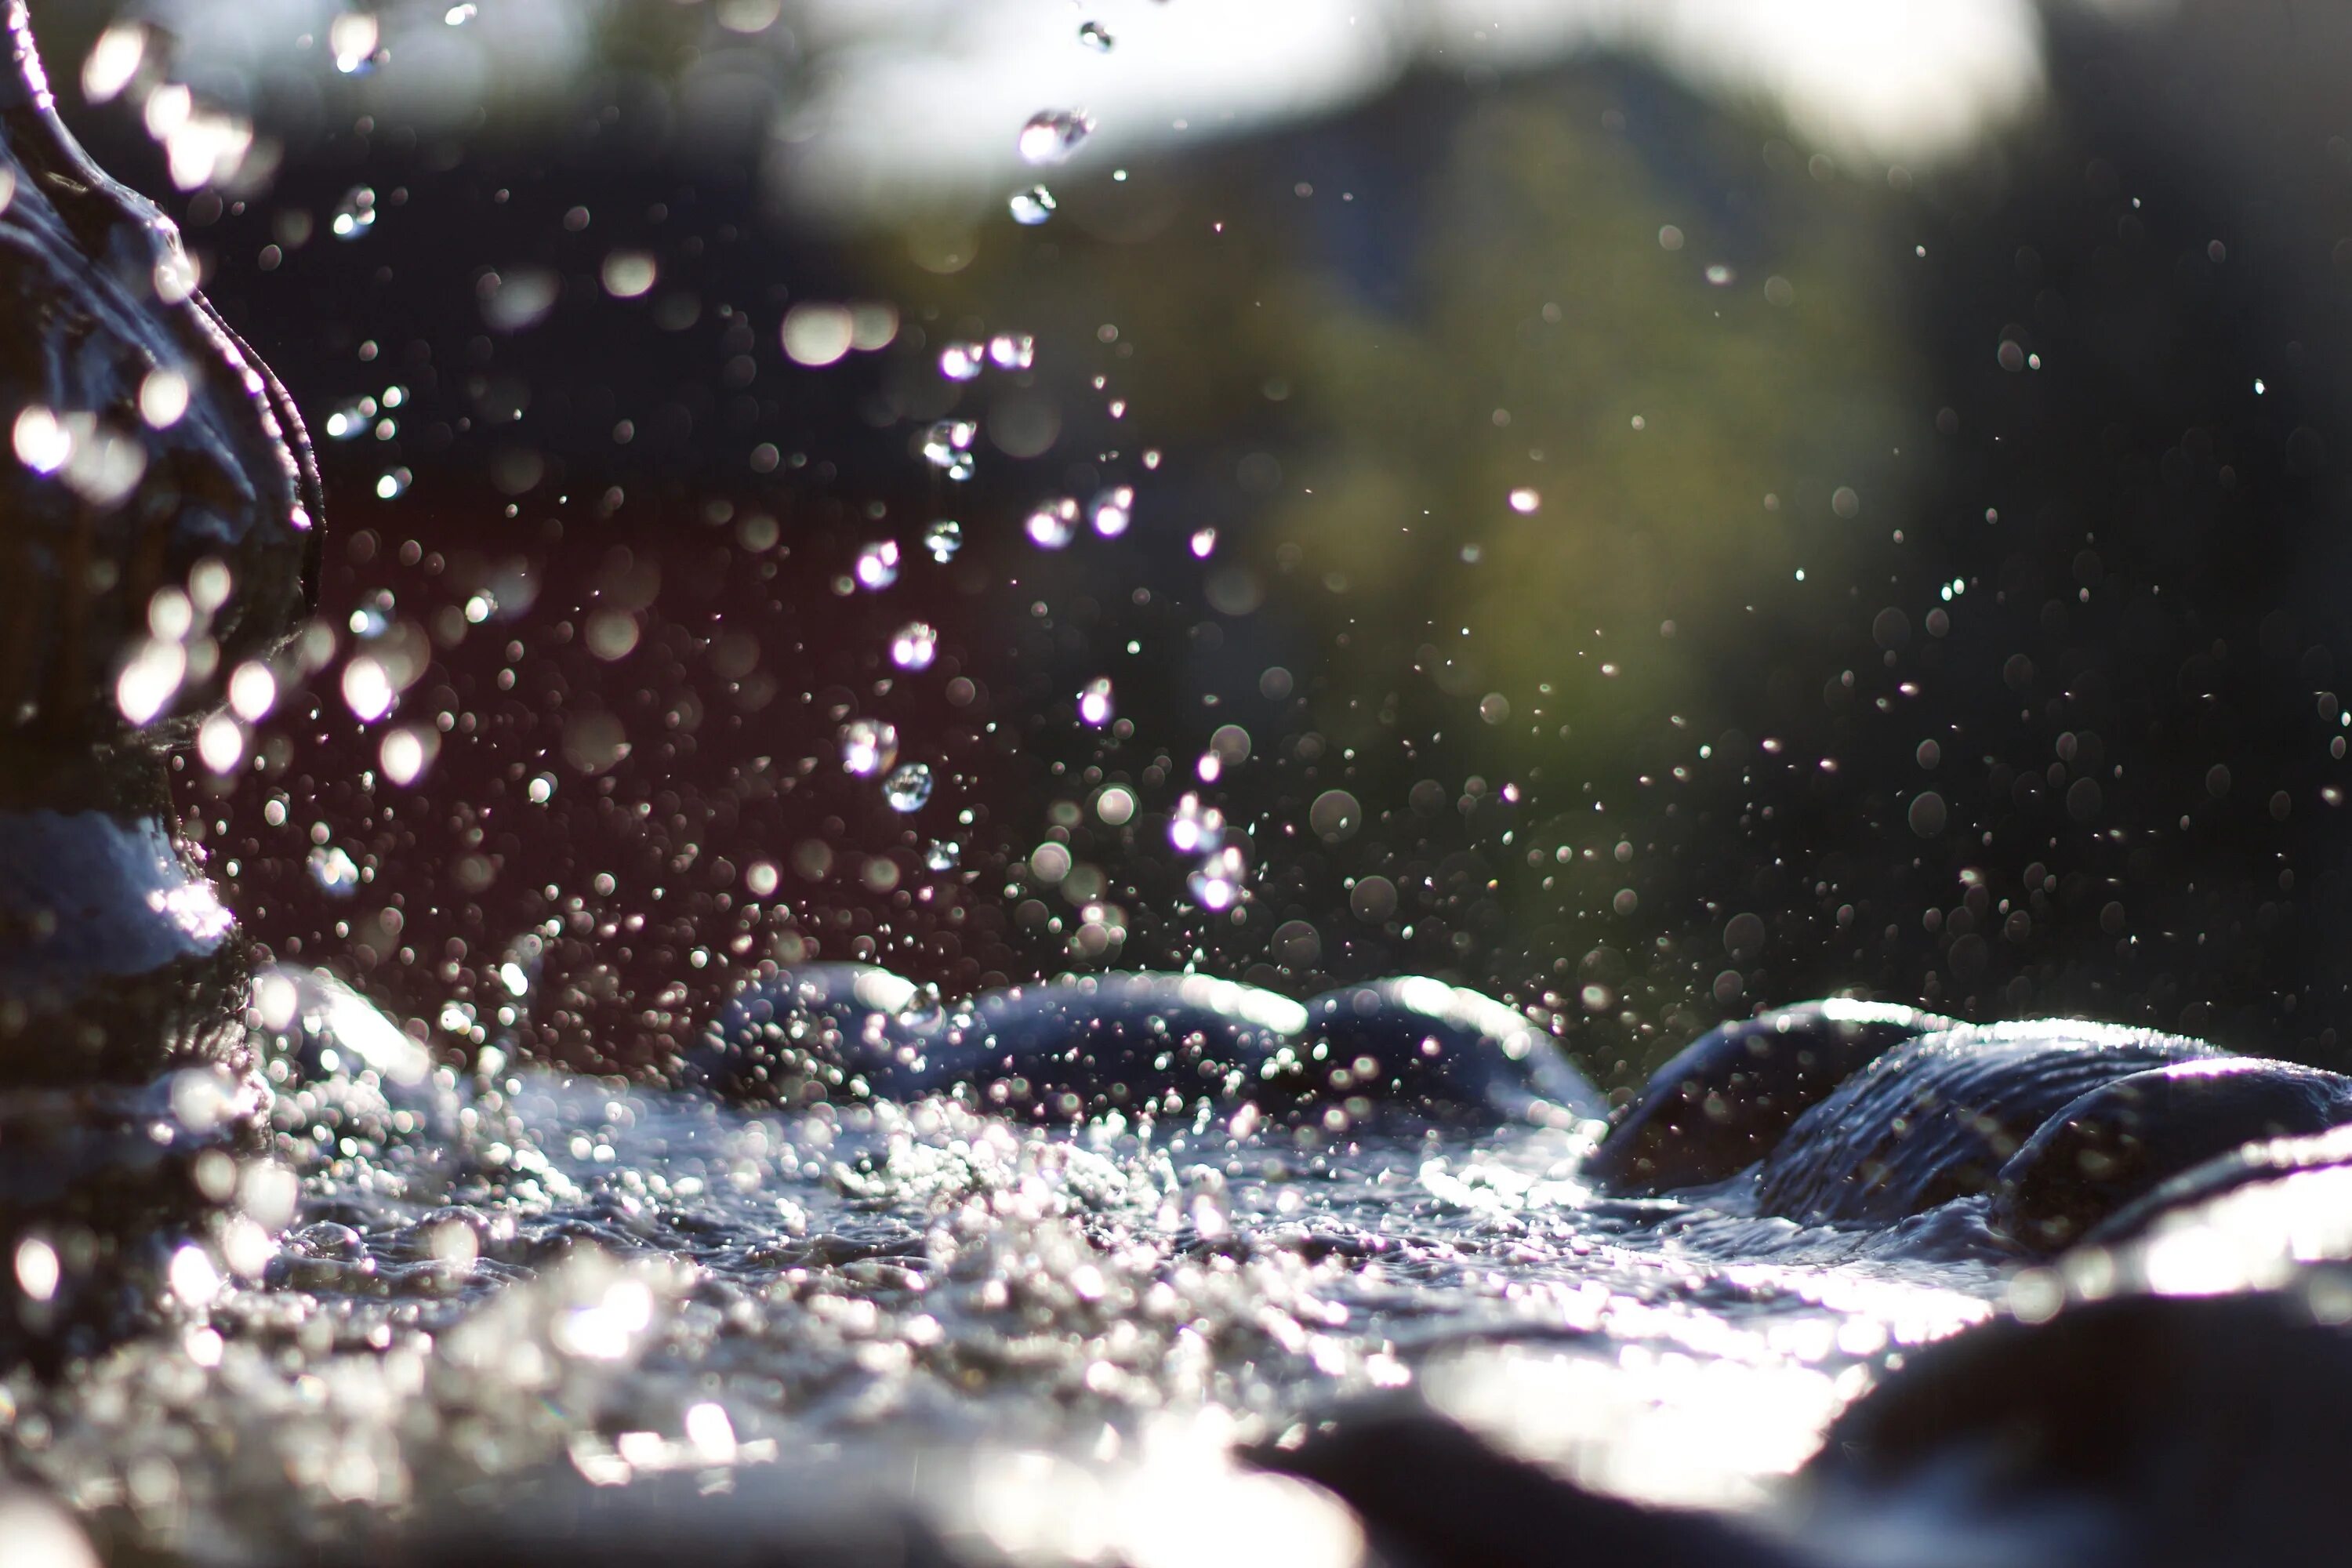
{"x":1937,"y":1118}
{"x":153,"y":453}
{"x":1444,"y":1051}
{"x":1074,"y":1049}
{"x":1432,"y":1495}
{"x":1724,"y":1103}
{"x":2140,"y":1430}
{"x":2127,"y":1137}
{"x":158,"y":527}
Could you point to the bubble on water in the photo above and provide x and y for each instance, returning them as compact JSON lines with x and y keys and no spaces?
{"x":1054,"y":524}
{"x":943,"y":854}
{"x":877,"y":565}
{"x":908,"y":787}
{"x":946,"y":444}
{"x":333,"y":870}
{"x":868,"y":746}
{"x":1204,"y":541}
{"x":1195,"y":828}
{"x":393,"y":484}
{"x":1095,"y":37}
{"x":1052,"y":135}
{"x":1095,"y":702}
{"x":354,"y":215}
{"x":1525,"y":500}
{"x":1031,"y":206}
{"x":1112,"y":510}
{"x":1218,"y":884}
{"x":962,"y":360}
{"x":1012,"y":350}
{"x":914,"y":646}
{"x":943,"y":539}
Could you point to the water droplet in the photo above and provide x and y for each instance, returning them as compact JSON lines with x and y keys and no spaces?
{"x":542,"y":789}
{"x":354,"y":215}
{"x":1217,"y":884}
{"x":877,"y":565}
{"x":367,"y":688}
{"x":868,"y":746}
{"x":334,"y":871}
{"x":372,"y":619}
{"x":914,"y":646}
{"x":1054,"y":524}
{"x":946,"y":444}
{"x":1050,"y":136}
{"x":1204,"y":542}
{"x":1012,"y":350}
{"x":943,"y":539}
{"x":220,"y":744}
{"x":1195,"y":828}
{"x":1095,"y":702}
{"x":351,"y":39}
{"x":908,"y":787}
{"x":1031,"y":206}
{"x":960,"y":361}
{"x":1525,"y":500}
{"x":349,"y":420}
{"x":1112,"y":510}
{"x":1719,"y":275}
{"x":392,"y":485}
{"x":458,"y":16}
{"x":943,"y":854}
{"x":1095,"y":37}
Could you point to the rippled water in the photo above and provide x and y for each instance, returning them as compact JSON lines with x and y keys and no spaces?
{"x":505,"y":1292}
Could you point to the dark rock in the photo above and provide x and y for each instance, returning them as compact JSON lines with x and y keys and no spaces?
{"x":1937,"y":1117}
{"x":1724,"y":1103}
{"x":2127,"y":1137}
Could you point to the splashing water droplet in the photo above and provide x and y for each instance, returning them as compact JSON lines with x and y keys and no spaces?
{"x":1012,"y":350}
{"x":1195,"y":828}
{"x":946,"y":444}
{"x":354,"y":215}
{"x":1054,"y":524}
{"x":1112,"y":510}
{"x":1095,"y":702}
{"x":349,"y":421}
{"x":1031,"y":206}
{"x":960,"y":361}
{"x":1204,"y":542}
{"x":1217,"y":884}
{"x":914,"y":646}
{"x":1095,"y":37}
{"x":943,"y":539}
{"x":1525,"y":500}
{"x":1053,"y":134}
{"x":943,"y":854}
{"x":908,"y":788}
{"x":868,"y":746}
{"x":877,"y":565}
{"x":334,"y":871}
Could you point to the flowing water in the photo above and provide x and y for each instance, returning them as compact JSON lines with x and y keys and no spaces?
{"x":504,"y":1291}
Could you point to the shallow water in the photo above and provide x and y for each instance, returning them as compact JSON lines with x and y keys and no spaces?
{"x":517,"y":1289}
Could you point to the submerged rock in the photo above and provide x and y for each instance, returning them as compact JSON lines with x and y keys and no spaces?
{"x":1141,"y":1042}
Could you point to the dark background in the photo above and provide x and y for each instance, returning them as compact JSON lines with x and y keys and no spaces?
{"x":2134,"y":700}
